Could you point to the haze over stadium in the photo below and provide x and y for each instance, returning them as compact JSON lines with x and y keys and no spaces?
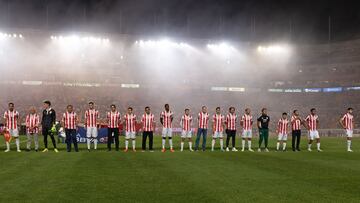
{"x":234,"y":53}
{"x":280,"y":55}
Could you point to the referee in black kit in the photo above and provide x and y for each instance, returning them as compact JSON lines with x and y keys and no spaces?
{"x":47,"y":122}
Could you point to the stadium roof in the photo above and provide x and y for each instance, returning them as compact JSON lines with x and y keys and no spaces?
{"x":246,"y":20}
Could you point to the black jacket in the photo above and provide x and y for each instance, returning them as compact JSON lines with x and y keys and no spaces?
{"x":48,"y":118}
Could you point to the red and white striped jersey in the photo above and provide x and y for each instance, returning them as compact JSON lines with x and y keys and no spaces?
{"x":247,"y":122}
{"x":231,"y":121}
{"x":166,"y":116}
{"x":218,"y":122}
{"x":295,"y":123}
{"x":186,"y":121}
{"x":130,"y":122}
{"x":91,"y":116}
{"x":312,"y":121}
{"x":11,"y":119}
{"x":114,"y":119}
{"x":148,"y":122}
{"x":69,"y":120}
{"x":203,"y":119}
{"x":348,"y":121}
{"x":32,"y":121}
{"x":283,"y":126}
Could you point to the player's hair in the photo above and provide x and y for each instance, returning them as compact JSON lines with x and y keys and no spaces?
{"x":284,"y":113}
{"x":218,"y":108}
{"x":350,"y":108}
{"x":166,"y":105}
{"x":69,"y":106}
{"x":147,"y":107}
{"x":247,"y":109}
{"x":263,"y":109}
{"x":113,"y":105}
{"x":231,"y":107}
{"x":295,"y":111}
{"x":187,"y":109}
{"x":130,"y":108}
{"x":312,"y":109}
{"x":91,"y":103}
{"x":47,"y":102}
{"x":11,"y":104}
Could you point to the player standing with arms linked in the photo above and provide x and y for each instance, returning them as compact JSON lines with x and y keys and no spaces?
{"x":282,"y":130}
{"x":11,"y":118}
{"x":218,"y":128}
{"x":186,"y":123}
{"x":203,"y":120}
{"x":347,"y":122}
{"x":47,"y":122}
{"x":113,"y":118}
{"x":313,"y":122}
{"x":130,"y":130}
{"x":166,"y":118}
{"x":32,"y":129}
{"x":148,"y":125}
{"x":91,"y":117}
{"x":296,"y":122}
{"x":230,"y":122}
{"x":263,"y":125}
{"x":246,"y":122}
{"x":69,"y":122}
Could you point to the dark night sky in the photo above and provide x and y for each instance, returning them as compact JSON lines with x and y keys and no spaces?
{"x":247,"y":20}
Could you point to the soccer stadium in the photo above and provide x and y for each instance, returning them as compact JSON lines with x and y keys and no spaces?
{"x":179,"y":101}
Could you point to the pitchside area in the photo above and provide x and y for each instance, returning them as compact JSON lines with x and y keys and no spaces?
{"x":101,"y":176}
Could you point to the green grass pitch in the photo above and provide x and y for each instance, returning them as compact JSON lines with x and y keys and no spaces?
{"x":101,"y":176}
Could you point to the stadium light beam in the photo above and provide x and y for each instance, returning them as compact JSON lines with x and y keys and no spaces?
{"x":222,"y":49}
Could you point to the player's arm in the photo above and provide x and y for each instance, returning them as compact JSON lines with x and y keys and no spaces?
{"x":53,"y":117}
{"x":107,"y":118}
{"x":341,"y":121}
{"x":259,"y":122}
{"x":85,"y":122}
{"x":306,"y":123}
{"x":18,"y":117}
{"x":161,"y":120}
{"x":76,"y":120}
{"x":317,"y":123}
{"x":242,"y":122}
{"x":213,"y":124}
{"x":98,"y":120}
{"x":4,"y":119}
{"x":38,"y":122}
{"x":277,"y":128}
{"x":288,"y":128}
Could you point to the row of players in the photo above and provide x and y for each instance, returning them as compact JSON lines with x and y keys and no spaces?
{"x":220,"y":123}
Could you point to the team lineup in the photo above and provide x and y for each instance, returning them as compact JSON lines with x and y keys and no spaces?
{"x":220,"y":125}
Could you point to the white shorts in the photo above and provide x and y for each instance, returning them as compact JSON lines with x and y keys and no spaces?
{"x":14,"y":132}
{"x":218,"y":135}
{"x":130,"y":135}
{"x":167,"y":132}
{"x":313,"y":134}
{"x":349,"y":133}
{"x":186,"y":134}
{"x":282,"y":137}
{"x":247,"y":134}
{"x":91,"y":132}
